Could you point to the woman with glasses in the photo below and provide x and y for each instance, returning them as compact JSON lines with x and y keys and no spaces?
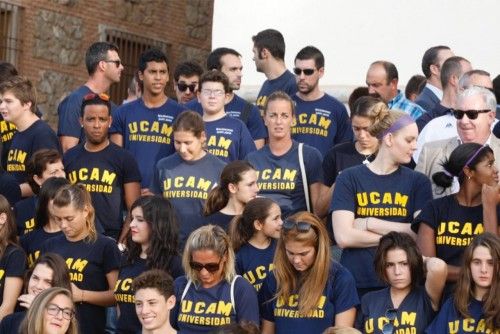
{"x":474,"y":306}
{"x":49,"y":271}
{"x":405,"y":306}
{"x":186,"y":177}
{"x":211,"y":295}
{"x":370,"y":200}
{"x":92,"y":259}
{"x":237,"y":186}
{"x":279,"y":164}
{"x":12,"y":260}
{"x":307,"y":292}
{"x":446,"y":225}
{"x":151,"y":244}
{"x":52,"y":312}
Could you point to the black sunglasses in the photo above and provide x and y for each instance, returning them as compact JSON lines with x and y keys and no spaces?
{"x":210,"y":267}
{"x":299,"y":226}
{"x":116,"y":62}
{"x":307,"y":71}
{"x":471,"y":114}
{"x":182,"y":87}
{"x":390,"y":314}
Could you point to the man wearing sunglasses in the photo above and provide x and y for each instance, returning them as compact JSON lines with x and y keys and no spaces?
{"x":228,"y":61}
{"x":269,"y":57}
{"x":104,"y":67}
{"x":382,"y":81}
{"x":474,"y":114}
{"x":445,"y":125}
{"x":144,"y":127}
{"x":321,"y":120}
{"x":186,"y":80}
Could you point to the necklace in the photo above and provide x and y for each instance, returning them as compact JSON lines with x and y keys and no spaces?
{"x":366,"y":161}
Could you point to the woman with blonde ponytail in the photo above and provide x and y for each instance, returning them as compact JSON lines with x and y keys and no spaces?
{"x":373,"y":199}
{"x":92,"y":259}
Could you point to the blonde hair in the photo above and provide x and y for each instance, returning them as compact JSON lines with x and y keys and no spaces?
{"x":209,"y":237}
{"x":384,"y":118}
{"x":34,"y":319}
{"x":78,"y":197}
{"x":313,"y":281}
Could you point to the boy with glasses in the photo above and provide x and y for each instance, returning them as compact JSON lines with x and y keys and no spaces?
{"x":227,"y":137}
{"x":144,"y":127}
{"x":104,"y":67}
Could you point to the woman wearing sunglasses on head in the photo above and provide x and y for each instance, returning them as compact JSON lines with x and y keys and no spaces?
{"x":307,"y":292}
{"x":211,"y":295}
{"x":474,"y":306}
{"x":405,"y":306}
{"x":49,"y":270}
{"x":187,"y":176}
{"x":92,"y":259}
{"x":382,"y":196}
{"x":52,"y":312}
{"x":237,"y":186}
{"x":446,"y":225}
{"x":152,"y":244}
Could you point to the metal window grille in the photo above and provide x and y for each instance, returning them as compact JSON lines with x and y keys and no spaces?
{"x":10,"y":44}
{"x":130,"y":48}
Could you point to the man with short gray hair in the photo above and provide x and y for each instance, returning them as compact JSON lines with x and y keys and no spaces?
{"x":475,"y":114}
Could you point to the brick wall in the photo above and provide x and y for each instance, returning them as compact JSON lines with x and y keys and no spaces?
{"x":56,"y":33}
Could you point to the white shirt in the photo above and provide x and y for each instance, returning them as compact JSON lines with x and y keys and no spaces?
{"x":438,"y":92}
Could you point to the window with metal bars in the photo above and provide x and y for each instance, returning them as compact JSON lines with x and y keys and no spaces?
{"x":10,"y":42}
{"x":130,"y":47}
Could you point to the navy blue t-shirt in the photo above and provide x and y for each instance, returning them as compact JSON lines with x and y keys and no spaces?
{"x":228,"y":139}
{"x":33,"y":241}
{"x":88,"y":264}
{"x":449,"y":320}
{"x":9,"y":188}
{"x":220,"y":219}
{"x":338,"y":296}
{"x":322,"y":123}
{"x":285,"y":82}
{"x":414,"y":313}
{"x":12,"y":264}
{"x":147,"y":133}
{"x":12,"y":322}
{"x":279,"y":177}
{"x":186,"y":185}
{"x":128,"y":321}
{"x":203,"y":310}
{"x":7,"y":130}
{"x":454,"y":226}
{"x":394,"y":197}
{"x":235,"y":108}
{"x":69,"y":111}
{"x":24,"y":143}
{"x":255,"y":264}
{"x":104,"y":175}
{"x":25,"y":214}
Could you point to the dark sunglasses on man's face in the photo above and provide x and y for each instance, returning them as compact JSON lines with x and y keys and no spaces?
{"x":307,"y":71}
{"x":471,"y":114}
{"x":116,"y":62}
{"x":182,"y":87}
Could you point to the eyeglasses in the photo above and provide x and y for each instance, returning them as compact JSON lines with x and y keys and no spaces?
{"x":390,"y":314}
{"x":214,"y":92}
{"x":53,"y":310}
{"x":93,"y":96}
{"x":301,"y":227}
{"x":307,"y":71}
{"x":116,"y":62}
{"x":471,"y":114}
{"x":210,"y":267}
{"x":183,"y":86}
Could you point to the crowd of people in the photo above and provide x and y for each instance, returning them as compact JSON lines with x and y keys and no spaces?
{"x":210,"y":214}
